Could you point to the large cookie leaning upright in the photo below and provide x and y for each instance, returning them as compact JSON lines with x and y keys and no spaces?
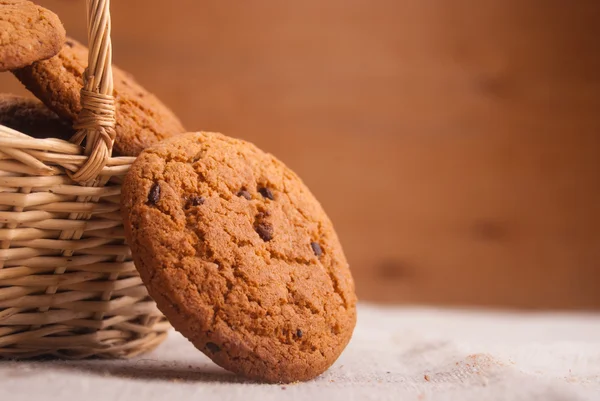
{"x":239,"y":256}
{"x":142,"y":119}
{"x":28,"y":33}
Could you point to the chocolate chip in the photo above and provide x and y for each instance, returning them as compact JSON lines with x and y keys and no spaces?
{"x":212,"y":347}
{"x":316,"y":248}
{"x":299,"y":333}
{"x":266,"y":192}
{"x":244,"y":194}
{"x":195,"y":201}
{"x":265,"y":231}
{"x":154,"y":194}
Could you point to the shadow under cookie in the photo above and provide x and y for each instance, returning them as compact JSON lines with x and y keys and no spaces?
{"x":143,"y":369}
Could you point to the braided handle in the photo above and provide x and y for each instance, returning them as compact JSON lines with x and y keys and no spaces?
{"x":96,"y":120}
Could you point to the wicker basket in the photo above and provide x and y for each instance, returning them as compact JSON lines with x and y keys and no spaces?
{"x":68,"y":286}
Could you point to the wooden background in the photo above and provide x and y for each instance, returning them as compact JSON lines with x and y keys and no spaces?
{"x":454,"y":143}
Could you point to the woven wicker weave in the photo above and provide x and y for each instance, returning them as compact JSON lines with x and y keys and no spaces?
{"x":68,"y":286}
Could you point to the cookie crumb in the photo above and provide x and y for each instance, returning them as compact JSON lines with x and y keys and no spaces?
{"x":426,"y":377}
{"x":212,"y":347}
{"x":195,"y":201}
{"x":244,"y":194}
{"x":154,"y":194}
{"x":283,"y":387}
{"x":316,"y":248}
{"x":266,"y":193}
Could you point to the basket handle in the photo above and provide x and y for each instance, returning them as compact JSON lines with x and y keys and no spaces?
{"x":96,"y":120}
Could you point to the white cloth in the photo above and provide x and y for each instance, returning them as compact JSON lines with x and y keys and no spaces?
{"x":395,"y":354}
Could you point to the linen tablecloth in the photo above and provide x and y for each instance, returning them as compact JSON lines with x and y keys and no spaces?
{"x":395,"y":354}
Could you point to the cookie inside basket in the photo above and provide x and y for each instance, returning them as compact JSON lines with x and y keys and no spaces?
{"x":30,"y":116}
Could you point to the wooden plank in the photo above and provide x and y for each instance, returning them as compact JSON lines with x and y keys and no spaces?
{"x":455,"y":145}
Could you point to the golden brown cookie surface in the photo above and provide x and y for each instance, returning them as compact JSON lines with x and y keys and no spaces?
{"x":28,"y":33}
{"x":239,"y":256}
{"x":32,"y":117}
{"x":142,"y":119}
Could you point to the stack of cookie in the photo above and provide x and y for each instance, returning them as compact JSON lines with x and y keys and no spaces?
{"x":232,"y":246}
{"x":34,"y":47}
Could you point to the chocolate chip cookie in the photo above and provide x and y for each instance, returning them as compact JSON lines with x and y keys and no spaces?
{"x":142,"y":119}
{"x":28,"y":33}
{"x":32,"y":117}
{"x":239,"y":256}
